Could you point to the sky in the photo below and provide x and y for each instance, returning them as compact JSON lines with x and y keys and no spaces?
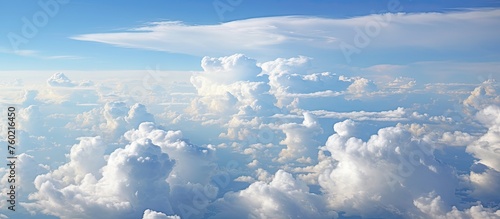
{"x":252,"y":109}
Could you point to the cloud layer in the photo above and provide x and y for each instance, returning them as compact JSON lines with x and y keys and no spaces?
{"x":272,"y":139}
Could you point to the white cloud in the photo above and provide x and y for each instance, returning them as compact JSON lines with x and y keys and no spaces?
{"x":361,"y":87}
{"x":484,"y":183}
{"x":263,"y":175}
{"x":487,"y":147}
{"x":299,"y":139}
{"x":268,"y":116}
{"x":456,"y":138}
{"x":283,"y":197}
{"x":229,"y":69}
{"x":27,"y":168}
{"x":253,"y":164}
{"x":193,"y":163}
{"x":89,"y":186}
{"x":398,"y":166}
{"x":36,"y":54}
{"x":31,"y":120}
{"x":433,"y":207}
{"x":191,"y":189}
{"x":113,"y":119}
{"x":385,"y":68}
{"x":485,"y":177}
{"x":277,"y":34}
{"x":399,"y":114}
{"x":60,"y":80}
{"x":289,"y":78}
{"x":29,"y":98}
{"x":482,"y":96}
{"x":138,"y":114}
{"x":344,"y":128}
{"x":247,"y":179}
{"x":230,"y":85}
{"x":150,"y":214}
{"x":399,"y":84}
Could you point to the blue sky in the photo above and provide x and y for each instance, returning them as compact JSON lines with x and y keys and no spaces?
{"x":53,"y":49}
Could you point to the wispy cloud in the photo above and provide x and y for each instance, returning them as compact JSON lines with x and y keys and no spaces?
{"x":37,"y":54}
{"x":463,"y":29}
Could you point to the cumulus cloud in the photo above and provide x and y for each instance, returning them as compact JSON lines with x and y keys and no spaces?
{"x":230,"y":85}
{"x":456,"y":138}
{"x":433,"y":207}
{"x":398,"y":166}
{"x":113,"y":119}
{"x":482,"y":96}
{"x":185,"y":153}
{"x":485,"y":177}
{"x":399,"y":84}
{"x":247,"y":179}
{"x":360,"y":87}
{"x":138,"y":114}
{"x":299,"y":139}
{"x":190,"y":180}
{"x":31,"y":120}
{"x":62,"y":90}
{"x":487,"y":147}
{"x":30,"y":98}
{"x":229,"y":69}
{"x":271,"y":117}
{"x":283,"y":197}
{"x":88,"y":186}
{"x":150,"y":214}
{"x":289,"y":78}
{"x":27,"y":168}
{"x":60,"y":80}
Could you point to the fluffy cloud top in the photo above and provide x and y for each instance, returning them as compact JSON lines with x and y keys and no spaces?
{"x":487,"y":147}
{"x":90,"y":187}
{"x":299,"y":138}
{"x":60,"y":80}
{"x":398,"y":166}
{"x":230,"y":68}
{"x":487,"y":150}
{"x":271,"y":117}
{"x":283,"y":197}
{"x":150,"y":214}
{"x":432,"y":206}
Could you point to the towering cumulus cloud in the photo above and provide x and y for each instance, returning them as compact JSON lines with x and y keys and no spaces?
{"x":230,"y":85}
{"x":485,"y":173}
{"x":398,"y":165}
{"x":129,"y":181}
